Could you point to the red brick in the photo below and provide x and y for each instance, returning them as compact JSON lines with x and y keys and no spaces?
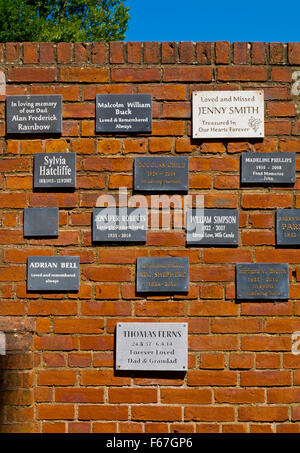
{"x":267,"y":361}
{"x":222,"y":52}
{"x":99,"y":52}
{"x":30,"y":52}
{"x":32,"y":75}
{"x":132,"y":395}
{"x":12,"y":51}
{"x":46,"y":52}
{"x":116,"y":52}
{"x":164,"y":92}
{"x":240,"y":52}
{"x":56,"y":342}
{"x":254,"y":237}
{"x":81,"y":52}
{"x":55,"y":412}
{"x":283,"y":395}
{"x":168,"y":52}
{"x":135,"y":75}
{"x":228,"y":325}
{"x":214,"y":361}
{"x":265,"y":343}
{"x":64,"y":52}
{"x":79,"y":359}
{"x":97,"y":343}
{"x":156,"y":413}
{"x":276,"y":53}
{"x":151,"y":52}
{"x":66,"y":325}
{"x":281,"y":74}
{"x":281,"y":109}
{"x":239,"y":396}
{"x":187,"y":74}
{"x":203,"y":52}
{"x":79,"y":395}
{"x":242,"y":73}
{"x":134,"y":52}
{"x":263,"y":413}
{"x":176,"y":110}
{"x":212,"y":342}
{"x":265,"y":378}
{"x":186,"y":52}
{"x":79,"y":427}
{"x":168,"y":127}
{"x":266,"y":201}
{"x":294,"y":53}
{"x":102,"y":412}
{"x":102,"y":377}
{"x":90,"y":75}
{"x":241,"y":360}
{"x":209,"y":413}
{"x":57,"y":377}
{"x":208,"y":308}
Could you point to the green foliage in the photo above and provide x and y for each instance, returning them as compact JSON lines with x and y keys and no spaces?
{"x":63,"y":20}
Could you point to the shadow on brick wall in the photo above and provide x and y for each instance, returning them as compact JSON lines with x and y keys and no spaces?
{"x":16,"y":377}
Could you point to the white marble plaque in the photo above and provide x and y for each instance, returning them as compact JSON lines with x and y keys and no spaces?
{"x":228,"y":114}
{"x":155,"y":346}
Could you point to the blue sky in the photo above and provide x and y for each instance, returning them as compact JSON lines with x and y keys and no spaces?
{"x":226,"y":20}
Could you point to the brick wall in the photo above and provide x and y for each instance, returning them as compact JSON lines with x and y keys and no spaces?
{"x":58,"y":374}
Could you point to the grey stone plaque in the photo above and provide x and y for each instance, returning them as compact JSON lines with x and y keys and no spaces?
{"x":54,"y":170}
{"x":156,"y":346}
{"x":38,"y":114}
{"x":120,"y":224}
{"x":53,"y":273}
{"x":123,"y":113}
{"x":162,"y":275}
{"x":288,"y":226}
{"x":212,"y":227}
{"x":161,"y":174}
{"x":262,"y":281}
{"x":41,"y":222}
{"x":268,"y":168}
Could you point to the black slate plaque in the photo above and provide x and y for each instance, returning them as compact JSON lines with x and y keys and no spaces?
{"x":262,"y":281}
{"x":120,"y":224}
{"x":41,"y":222}
{"x":268,"y":168}
{"x":54,"y":170}
{"x":161,"y":174}
{"x":38,"y":114}
{"x":53,"y":273}
{"x":162,"y":275}
{"x":288,"y":226}
{"x":123,"y":113}
{"x":212,"y":227}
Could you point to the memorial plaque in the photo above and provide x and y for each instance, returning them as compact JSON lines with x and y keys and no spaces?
{"x":161,"y":174}
{"x":41,"y":222}
{"x":40,"y":114}
{"x":212,"y":227}
{"x":262,"y":281}
{"x":123,"y":113}
{"x":156,"y":346}
{"x":54,"y":170}
{"x":53,"y":273}
{"x":288,"y":226}
{"x":268,"y":168}
{"x":120,"y":224}
{"x":228,"y":114}
{"x":162,"y":275}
